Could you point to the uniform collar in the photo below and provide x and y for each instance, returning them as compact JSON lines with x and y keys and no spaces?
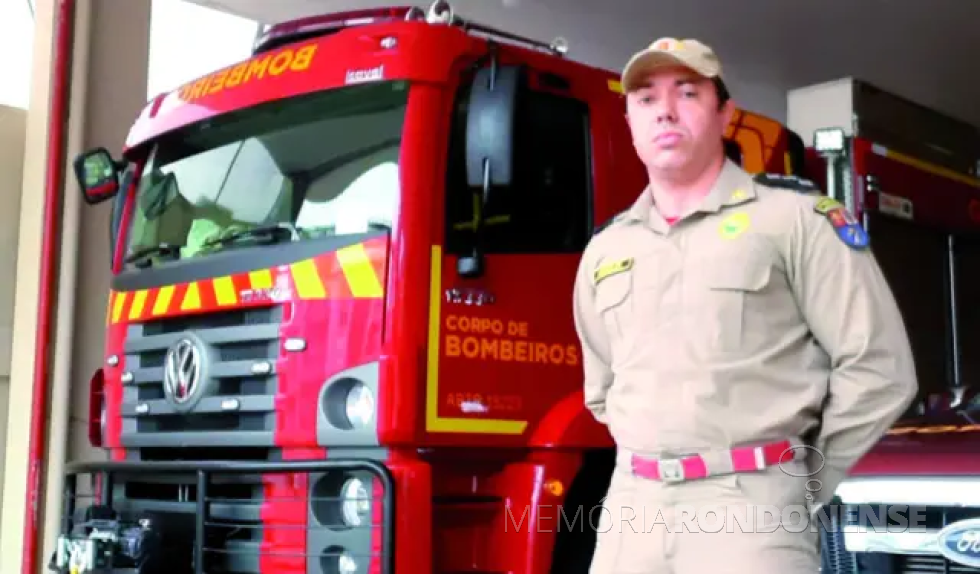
{"x":642,"y":207}
{"x":733,"y":187}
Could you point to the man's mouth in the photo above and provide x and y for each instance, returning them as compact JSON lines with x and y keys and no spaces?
{"x":667,"y":139}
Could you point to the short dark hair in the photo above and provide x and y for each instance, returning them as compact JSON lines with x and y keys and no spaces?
{"x":721,"y":90}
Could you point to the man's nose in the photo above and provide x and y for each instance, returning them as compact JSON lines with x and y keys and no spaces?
{"x":666,"y":110}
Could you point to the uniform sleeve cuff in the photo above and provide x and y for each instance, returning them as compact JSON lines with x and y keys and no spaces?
{"x":823,"y":485}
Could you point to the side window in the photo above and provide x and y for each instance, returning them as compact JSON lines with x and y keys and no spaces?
{"x":546,"y":210}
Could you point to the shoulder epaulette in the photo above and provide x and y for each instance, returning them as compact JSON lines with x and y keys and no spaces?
{"x":602,"y":226}
{"x":786,"y":182}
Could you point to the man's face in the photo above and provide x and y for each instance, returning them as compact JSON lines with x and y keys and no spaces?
{"x":676,"y":120}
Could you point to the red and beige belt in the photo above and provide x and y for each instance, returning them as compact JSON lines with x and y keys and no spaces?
{"x":736,"y":460}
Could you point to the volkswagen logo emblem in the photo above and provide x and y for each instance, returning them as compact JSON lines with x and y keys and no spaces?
{"x":182,"y":372}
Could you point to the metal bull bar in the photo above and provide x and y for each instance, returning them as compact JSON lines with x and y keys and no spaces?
{"x":149,"y":535}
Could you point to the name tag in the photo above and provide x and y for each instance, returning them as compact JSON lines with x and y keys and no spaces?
{"x":612,"y":268}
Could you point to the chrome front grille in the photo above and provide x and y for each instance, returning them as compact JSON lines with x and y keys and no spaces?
{"x":836,"y":559}
{"x":929,"y":565}
{"x":237,"y":401}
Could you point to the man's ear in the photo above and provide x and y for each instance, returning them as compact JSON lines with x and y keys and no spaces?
{"x":728,"y":111}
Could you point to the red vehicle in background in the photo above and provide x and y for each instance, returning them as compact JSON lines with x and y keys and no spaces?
{"x":338,"y":333}
{"x":911,"y":505}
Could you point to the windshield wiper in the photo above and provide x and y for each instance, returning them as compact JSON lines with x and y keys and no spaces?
{"x":378,"y":225}
{"x":264,"y":235}
{"x":143,"y":257}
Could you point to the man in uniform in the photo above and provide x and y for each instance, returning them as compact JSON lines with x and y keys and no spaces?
{"x":739,"y":340}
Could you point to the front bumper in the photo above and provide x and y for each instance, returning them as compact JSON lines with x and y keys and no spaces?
{"x":227,"y":517}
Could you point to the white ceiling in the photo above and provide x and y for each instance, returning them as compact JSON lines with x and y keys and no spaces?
{"x":926,"y":50}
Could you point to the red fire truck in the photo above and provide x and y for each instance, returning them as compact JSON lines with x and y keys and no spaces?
{"x":910,"y":506}
{"x":359,"y":357}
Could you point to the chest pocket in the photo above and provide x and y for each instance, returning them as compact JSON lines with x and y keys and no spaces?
{"x":613,"y":289}
{"x":725,"y":287}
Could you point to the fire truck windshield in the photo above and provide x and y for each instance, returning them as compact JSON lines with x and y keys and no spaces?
{"x":316,"y":165}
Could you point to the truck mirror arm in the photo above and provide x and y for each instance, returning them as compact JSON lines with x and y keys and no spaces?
{"x":471,"y":266}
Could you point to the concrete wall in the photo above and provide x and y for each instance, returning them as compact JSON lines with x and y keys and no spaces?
{"x":30,"y":218}
{"x":13,"y":122}
{"x":108,"y":89}
{"x":119,"y":49}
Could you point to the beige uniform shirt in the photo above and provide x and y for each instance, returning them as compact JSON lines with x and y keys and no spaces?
{"x":749,"y":320}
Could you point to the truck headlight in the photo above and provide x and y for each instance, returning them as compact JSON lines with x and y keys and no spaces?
{"x":359,"y":405}
{"x":348,"y":403}
{"x":356,"y":502}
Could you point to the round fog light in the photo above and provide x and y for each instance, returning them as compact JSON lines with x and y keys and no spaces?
{"x":359,"y":406}
{"x":356,"y":502}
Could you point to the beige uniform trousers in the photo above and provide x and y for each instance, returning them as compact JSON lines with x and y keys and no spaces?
{"x":754,"y":523}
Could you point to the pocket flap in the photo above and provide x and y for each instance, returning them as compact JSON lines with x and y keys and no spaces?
{"x":613,"y":290}
{"x":747,"y":272}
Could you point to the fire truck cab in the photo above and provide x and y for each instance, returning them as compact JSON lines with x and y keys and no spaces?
{"x":338,"y":336}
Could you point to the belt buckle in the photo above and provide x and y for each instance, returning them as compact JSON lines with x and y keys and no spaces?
{"x":671,"y":470}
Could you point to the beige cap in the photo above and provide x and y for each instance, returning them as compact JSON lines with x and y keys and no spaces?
{"x":670,"y":52}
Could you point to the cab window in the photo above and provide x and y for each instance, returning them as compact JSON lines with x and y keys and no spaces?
{"x":547,"y":209}
{"x":324,"y":164}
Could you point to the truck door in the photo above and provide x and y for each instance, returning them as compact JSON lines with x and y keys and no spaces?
{"x":503,"y":351}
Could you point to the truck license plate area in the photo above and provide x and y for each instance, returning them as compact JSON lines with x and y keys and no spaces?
{"x":295,"y":517}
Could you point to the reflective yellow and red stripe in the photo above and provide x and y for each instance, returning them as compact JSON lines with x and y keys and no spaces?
{"x":356,"y":271}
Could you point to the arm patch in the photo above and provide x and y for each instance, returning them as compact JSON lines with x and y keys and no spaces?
{"x":846,"y":226}
{"x":786,"y":182}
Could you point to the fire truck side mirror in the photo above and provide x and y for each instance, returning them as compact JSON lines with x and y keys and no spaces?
{"x":490,"y":126}
{"x":97,"y":174}
{"x":490,"y":131}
